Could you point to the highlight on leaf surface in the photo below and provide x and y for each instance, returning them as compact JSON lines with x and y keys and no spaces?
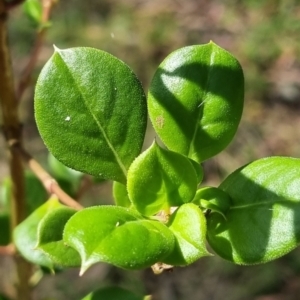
{"x":90,"y":110}
{"x":263,"y":222}
{"x":195,"y":100}
{"x":159,"y":179}
{"x":118,"y":236}
{"x":188,"y":224}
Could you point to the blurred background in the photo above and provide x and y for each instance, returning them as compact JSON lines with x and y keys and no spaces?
{"x":264,"y":36}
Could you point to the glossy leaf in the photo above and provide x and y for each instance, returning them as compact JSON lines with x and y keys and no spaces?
{"x":116,"y":235}
{"x":263,"y":222}
{"x":91,"y":112}
{"x":159,"y":179}
{"x":50,"y":238}
{"x":120,"y":195}
{"x":113,"y":293}
{"x":25,"y":235}
{"x":195,"y":100}
{"x":188,"y":224}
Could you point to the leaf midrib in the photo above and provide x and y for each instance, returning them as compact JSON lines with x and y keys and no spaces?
{"x":119,"y":161}
{"x":200,"y":108}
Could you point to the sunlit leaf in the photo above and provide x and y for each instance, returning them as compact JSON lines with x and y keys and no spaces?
{"x":159,"y":179}
{"x":50,"y":241}
{"x":195,"y":100}
{"x":118,"y":236}
{"x":263,"y":222}
{"x":188,"y":224}
{"x":91,"y":112}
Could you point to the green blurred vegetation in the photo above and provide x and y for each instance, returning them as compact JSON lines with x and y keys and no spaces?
{"x":264,"y":36}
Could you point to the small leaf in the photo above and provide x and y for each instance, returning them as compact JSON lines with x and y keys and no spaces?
{"x":50,"y":238}
{"x":188,"y":224}
{"x":159,"y":179}
{"x":195,"y":100}
{"x":25,"y":235}
{"x":117,"y":235}
{"x":33,"y":9}
{"x":263,"y":222}
{"x":214,"y":199}
{"x":113,"y":293}
{"x":120,"y":195}
{"x":91,"y":112}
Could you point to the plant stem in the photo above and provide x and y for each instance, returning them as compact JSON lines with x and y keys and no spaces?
{"x":12,"y":131}
{"x":47,"y":6}
{"x":50,"y":184}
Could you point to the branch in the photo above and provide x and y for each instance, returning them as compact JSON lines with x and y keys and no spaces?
{"x":47,"y":6}
{"x":7,"y":250}
{"x":47,"y":180}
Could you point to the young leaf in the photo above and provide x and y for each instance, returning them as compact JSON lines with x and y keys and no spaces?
{"x":263,"y":222}
{"x":159,"y":179}
{"x":188,"y":224}
{"x":50,"y":241}
{"x":120,"y":195}
{"x":195,"y":100}
{"x":25,"y":235}
{"x":91,"y":112}
{"x":116,"y":235}
{"x":214,"y":199}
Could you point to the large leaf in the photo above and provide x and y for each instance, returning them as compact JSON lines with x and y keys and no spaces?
{"x":91,"y":112}
{"x":188,"y":224}
{"x":25,"y":235}
{"x":195,"y":100}
{"x":116,"y":235}
{"x":50,"y":238}
{"x":159,"y":179}
{"x":263,"y":222}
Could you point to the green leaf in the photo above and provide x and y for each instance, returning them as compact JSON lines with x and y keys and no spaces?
{"x":199,"y":171}
{"x":117,"y":235}
{"x":195,"y":100}
{"x":263,"y":222}
{"x":113,"y":293}
{"x":120,"y":195}
{"x":35,"y":195}
{"x":25,"y":235}
{"x":214,"y":199}
{"x":33,"y":9}
{"x":91,"y":112}
{"x":60,"y":171}
{"x":50,"y":238}
{"x":188,"y":224}
{"x":159,"y":179}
